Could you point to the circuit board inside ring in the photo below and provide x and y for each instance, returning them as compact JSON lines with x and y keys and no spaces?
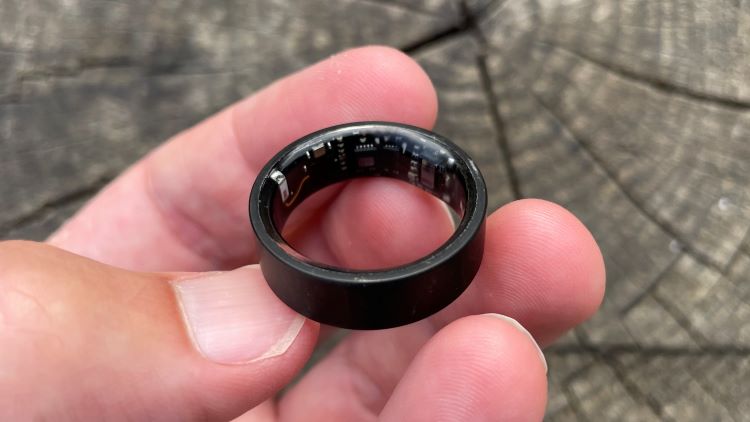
{"x":405,"y":156}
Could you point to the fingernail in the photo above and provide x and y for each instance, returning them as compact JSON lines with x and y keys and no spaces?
{"x":517,"y":325}
{"x":234,"y":318}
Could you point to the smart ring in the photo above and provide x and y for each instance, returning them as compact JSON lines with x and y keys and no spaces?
{"x":369,"y":299}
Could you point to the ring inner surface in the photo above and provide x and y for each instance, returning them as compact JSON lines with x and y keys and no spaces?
{"x":403,"y":155}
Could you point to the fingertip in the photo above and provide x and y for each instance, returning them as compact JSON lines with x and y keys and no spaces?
{"x":361,"y":84}
{"x":475,"y":369}
{"x":388,"y":70}
{"x":497,"y":342}
{"x":517,"y":325}
{"x":542,"y":241}
{"x":551,"y":218}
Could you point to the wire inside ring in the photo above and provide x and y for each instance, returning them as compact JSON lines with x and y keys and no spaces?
{"x":407,"y":156}
{"x":369,"y":299}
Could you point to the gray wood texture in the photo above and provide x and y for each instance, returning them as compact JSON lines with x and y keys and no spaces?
{"x":634,"y":114}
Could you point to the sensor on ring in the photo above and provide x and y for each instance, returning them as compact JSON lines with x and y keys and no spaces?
{"x":369,"y":299}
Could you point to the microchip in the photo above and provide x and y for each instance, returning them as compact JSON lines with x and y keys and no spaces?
{"x":319,"y":150}
{"x":368,"y":161}
{"x":427,"y":175}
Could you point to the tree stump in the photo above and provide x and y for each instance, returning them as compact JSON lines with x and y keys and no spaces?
{"x":634,"y":114}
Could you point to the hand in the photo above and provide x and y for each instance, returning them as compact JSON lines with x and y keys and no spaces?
{"x":82,"y":340}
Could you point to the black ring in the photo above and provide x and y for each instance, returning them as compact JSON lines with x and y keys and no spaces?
{"x":379,"y":298}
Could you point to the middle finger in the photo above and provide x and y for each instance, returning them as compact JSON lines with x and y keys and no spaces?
{"x":541,"y":267}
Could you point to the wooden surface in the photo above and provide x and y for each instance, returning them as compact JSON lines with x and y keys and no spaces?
{"x":634,"y":114}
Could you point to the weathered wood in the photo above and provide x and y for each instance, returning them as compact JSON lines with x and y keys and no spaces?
{"x":635,"y":114}
{"x":465,"y":109}
{"x":87,"y":87}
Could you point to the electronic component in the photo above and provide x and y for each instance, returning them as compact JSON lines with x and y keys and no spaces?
{"x":370,"y":299}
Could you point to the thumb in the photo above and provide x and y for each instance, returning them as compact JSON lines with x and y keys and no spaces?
{"x":85,"y":341}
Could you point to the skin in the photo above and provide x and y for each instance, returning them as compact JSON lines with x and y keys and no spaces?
{"x":90,"y":328}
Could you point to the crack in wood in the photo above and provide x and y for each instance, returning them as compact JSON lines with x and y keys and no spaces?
{"x":633,"y":389}
{"x":653,"y":82}
{"x":743,"y":248}
{"x":497,"y":120}
{"x":402,"y":7}
{"x":175,"y":69}
{"x":574,"y":403}
{"x":14,"y":95}
{"x":435,"y":38}
{"x":578,"y":372}
{"x":51,"y":205}
{"x":610,"y":356}
{"x":11,"y":99}
{"x":462,"y":25}
{"x":620,"y":373}
{"x":469,"y":24}
{"x":650,"y":287}
{"x":707,"y":390}
{"x":710,"y":351}
{"x":82,"y":65}
{"x":681,"y":319}
{"x":684,"y":244}
{"x":493,"y":101}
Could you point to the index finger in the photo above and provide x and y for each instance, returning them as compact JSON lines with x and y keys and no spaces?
{"x":184,"y":205}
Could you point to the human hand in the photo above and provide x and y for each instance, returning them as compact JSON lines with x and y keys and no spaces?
{"x":82,"y":340}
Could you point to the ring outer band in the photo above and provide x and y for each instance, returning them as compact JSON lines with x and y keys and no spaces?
{"x":373,"y":299}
